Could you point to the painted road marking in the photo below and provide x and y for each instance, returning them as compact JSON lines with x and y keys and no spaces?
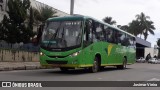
{"x":154,"y":79}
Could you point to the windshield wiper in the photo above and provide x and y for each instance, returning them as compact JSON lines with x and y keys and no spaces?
{"x":54,"y":35}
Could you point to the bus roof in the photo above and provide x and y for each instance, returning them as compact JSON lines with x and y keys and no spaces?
{"x":66,"y":18}
{"x":80,"y":17}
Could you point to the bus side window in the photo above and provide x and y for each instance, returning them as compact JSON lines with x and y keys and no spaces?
{"x":122,"y":38}
{"x":88,"y":35}
{"x":102,"y":38}
{"x":117,"y":37}
{"x":127,"y":40}
{"x":106,"y":32}
{"x":99,"y":32}
{"x":90,"y":31}
{"x":134,"y":42}
{"x":110,"y":35}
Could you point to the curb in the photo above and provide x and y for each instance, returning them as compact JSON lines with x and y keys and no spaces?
{"x":28,"y":67}
{"x":20,"y":66}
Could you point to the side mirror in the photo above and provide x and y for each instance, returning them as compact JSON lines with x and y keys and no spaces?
{"x":36,"y":38}
{"x":35,"y":41}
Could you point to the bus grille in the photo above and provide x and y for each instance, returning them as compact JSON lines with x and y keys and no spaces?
{"x":57,"y":56}
{"x":56,"y":62}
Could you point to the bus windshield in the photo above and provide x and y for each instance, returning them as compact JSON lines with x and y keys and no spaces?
{"x":62,"y":34}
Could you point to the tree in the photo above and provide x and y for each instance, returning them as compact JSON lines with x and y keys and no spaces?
{"x":158,"y":43}
{"x":31,"y":19}
{"x":124,"y":27}
{"x":109,"y":20}
{"x":141,"y":26}
{"x":134,"y":28}
{"x":43,"y":13}
{"x":145,"y":25}
{"x":15,"y":26}
{"x":1,"y":32}
{"x":149,"y":28}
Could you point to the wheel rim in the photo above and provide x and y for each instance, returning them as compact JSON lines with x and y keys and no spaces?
{"x":95,"y":66}
{"x":124,"y":64}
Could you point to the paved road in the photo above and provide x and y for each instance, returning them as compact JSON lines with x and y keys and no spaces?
{"x":135,"y":72}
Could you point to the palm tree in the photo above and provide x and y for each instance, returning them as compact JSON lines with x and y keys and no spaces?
{"x":43,"y":13}
{"x":134,"y":28}
{"x":146,"y":25}
{"x":158,"y":43}
{"x":124,"y":27}
{"x":149,"y":28}
{"x":109,"y":20}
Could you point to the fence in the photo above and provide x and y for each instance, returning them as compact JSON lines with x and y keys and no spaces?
{"x":18,"y":52}
{"x":18,"y":56}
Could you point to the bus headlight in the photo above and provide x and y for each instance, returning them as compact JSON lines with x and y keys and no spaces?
{"x":41,"y":54}
{"x":75,"y":54}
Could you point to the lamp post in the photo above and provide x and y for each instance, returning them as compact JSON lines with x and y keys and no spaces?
{"x":72,"y":7}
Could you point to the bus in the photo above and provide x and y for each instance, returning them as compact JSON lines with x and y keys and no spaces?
{"x":83,"y":42}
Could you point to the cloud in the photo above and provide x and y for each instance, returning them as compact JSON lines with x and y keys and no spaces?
{"x":123,"y":11}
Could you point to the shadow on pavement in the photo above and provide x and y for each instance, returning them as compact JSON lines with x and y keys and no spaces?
{"x":83,"y":71}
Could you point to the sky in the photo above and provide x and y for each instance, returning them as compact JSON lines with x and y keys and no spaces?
{"x":122,"y":11}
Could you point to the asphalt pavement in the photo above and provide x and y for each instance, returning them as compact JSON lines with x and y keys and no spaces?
{"x":135,"y":72}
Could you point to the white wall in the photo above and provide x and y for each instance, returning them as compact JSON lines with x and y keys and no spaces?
{"x":152,"y":51}
{"x":37,"y":4}
{"x":3,"y":9}
{"x":1,"y":17}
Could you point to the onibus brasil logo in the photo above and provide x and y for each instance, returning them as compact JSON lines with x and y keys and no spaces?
{"x":20,"y":84}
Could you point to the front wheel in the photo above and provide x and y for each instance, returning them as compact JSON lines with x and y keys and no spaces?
{"x":63,"y":69}
{"x":95,"y":66}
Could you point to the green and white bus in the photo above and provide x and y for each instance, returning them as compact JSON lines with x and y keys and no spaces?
{"x":84,"y":42}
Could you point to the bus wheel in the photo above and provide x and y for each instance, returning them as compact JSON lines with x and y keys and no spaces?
{"x":63,"y":69}
{"x":102,"y":67}
{"x":95,"y":66}
{"x":124,"y":65}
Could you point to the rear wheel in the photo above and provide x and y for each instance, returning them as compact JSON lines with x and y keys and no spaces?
{"x":95,"y":66}
{"x":102,"y":67}
{"x":124,"y":65}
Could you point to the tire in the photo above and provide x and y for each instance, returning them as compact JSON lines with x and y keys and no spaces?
{"x":63,"y":69}
{"x":124,"y":65}
{"x":95,"y":66}
{"x":102,"y":67}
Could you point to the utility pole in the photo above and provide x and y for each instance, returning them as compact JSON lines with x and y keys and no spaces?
{"x":72,"y":7}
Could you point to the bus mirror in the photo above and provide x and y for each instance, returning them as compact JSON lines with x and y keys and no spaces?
{"x":34,"y":41}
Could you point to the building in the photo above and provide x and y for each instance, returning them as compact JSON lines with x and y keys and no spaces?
{"x":143,"y":48}
{"x":3,"y":8}
{"x":38,"y":4}
{"x":141,"y":44}
{"x":34,"y":3}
